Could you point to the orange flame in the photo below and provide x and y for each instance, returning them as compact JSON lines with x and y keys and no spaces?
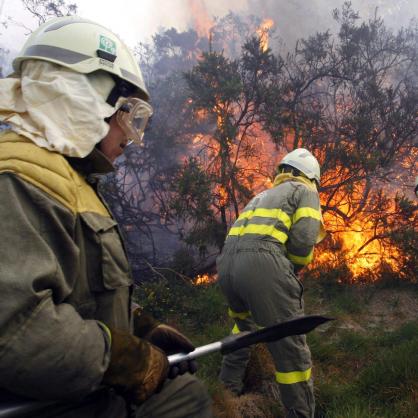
{"x":202,"y":22}
{"x":255,"y":160}
{"x":205,"y":279}
{"x":263,"y":33}
{"x":222,"y":195}
{"x":358,"y":244}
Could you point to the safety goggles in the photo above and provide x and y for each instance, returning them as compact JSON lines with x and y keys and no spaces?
{"x":132,"y":116}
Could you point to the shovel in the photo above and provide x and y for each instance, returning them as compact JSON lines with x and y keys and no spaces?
{"x":297,"y":326}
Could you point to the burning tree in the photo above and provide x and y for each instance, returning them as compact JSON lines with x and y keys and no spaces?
{"x":222,"y":127}
{"x":228,"y":95}
{"x":353,"y":102}
{"x":168,"y":185}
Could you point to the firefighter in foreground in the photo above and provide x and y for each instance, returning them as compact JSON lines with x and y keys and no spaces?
{"x":66,"y":324}
{"x":269,"y":243}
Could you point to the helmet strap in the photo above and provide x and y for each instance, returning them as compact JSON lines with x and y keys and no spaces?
{"x":121,"y":89}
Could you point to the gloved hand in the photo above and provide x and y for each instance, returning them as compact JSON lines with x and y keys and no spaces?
{"x":170,"y":340}
{"x":137,"y":369}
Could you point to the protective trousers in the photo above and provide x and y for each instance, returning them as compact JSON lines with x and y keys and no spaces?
{"x":261,"y":289}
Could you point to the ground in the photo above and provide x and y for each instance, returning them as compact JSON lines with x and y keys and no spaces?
{"x":365,"y":362}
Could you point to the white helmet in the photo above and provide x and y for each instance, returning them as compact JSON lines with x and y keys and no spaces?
{"x":304,"y":161}
{"x":85,"y":46}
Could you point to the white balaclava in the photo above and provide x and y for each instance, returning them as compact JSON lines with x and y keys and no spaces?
{"x":57,"y":108}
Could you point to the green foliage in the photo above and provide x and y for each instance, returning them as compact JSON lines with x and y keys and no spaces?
{"x":197,"y":305}
{"x":398,"y":364}
{"x":357,"y":374}
{"x":355,"y":344}
{"x":214,"y":80}
{"x":192,"y":203}
{"x":377,"y":373}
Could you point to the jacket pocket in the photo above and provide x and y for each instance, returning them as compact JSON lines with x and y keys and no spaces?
{"x":104,"y":247}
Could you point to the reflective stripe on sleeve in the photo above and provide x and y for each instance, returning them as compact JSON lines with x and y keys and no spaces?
{"x":268,"y":213}
{"x":239,"y":315}
{"x":306,"y":213}
{"x":297,"y":259}
{"x":259,"y":230}
{"x":293,"y":377}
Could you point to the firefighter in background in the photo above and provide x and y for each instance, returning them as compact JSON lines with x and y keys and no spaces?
{"x":66,"y":324}
{"x":272,"y":239}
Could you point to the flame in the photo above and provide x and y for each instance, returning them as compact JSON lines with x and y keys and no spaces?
{"x":254,"y":158}
{"x":263,"y":33}
{"x":223,"y":195}
{"x":205,"y":279}
{"x":202,"y":22}
{"x":359,"y":242}
{"x":362,"y":261}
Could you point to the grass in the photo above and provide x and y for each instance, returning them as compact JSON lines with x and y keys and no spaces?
{"x":362,"y":373}
{"x":371,"y":375}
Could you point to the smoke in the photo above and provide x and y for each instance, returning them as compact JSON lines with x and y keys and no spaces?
{"x":295,"y":19}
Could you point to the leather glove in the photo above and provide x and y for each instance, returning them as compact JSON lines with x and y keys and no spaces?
{"x":137,"y":369}
{"x":169,"y":339}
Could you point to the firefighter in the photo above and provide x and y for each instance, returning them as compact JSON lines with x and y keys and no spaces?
{"x":272,"y":239}
{"x":67,"y":332}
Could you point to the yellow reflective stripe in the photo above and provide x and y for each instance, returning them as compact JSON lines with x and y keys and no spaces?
{"x":239,"y":315}
{"x":107,"y":330}
{"x":297,"y":259}
{"x":268,"y":213}
{"x":259,"y":230}
{"x":235,"y":330}
{"x":306,"y":213}
{"x":293,"y":377}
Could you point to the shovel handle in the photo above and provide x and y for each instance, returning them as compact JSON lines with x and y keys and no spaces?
{"x":198,"y":352}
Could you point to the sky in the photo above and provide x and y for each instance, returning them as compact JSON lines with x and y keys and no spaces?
{"x":134,"y":20}
{"x":138,"y":20}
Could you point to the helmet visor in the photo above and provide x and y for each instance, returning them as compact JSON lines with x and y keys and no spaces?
{"x":132,"y":116}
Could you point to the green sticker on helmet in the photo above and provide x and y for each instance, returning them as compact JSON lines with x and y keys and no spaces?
{"x":107,"y":44}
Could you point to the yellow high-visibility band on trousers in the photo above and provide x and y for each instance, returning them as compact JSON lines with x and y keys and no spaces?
{"x":297,"y":259}
{"x":239,"y":315}
{"x":268,"y":213}
{"x":306,"y":213}
{"x":259,"y":230}
{"x":293,"y":377}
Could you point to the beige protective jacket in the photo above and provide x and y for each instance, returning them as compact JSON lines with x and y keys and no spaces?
{"x":63,"y":274}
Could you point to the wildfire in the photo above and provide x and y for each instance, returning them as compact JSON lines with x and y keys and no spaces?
{"x":263,"y":33}
{"x":355,"y":239}
{"x":205,"y":279}
{"x":359,"y":243}
{"x":222,"y":194}
{"x":362,"y":260}
{"x":202,"y":22}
